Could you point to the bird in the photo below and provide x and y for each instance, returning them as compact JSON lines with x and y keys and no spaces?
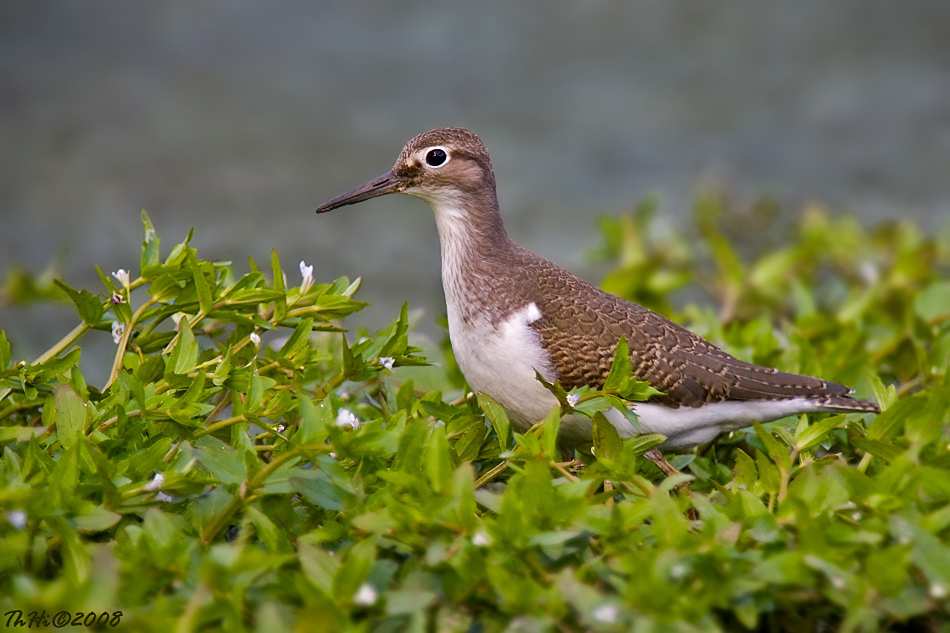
{"x":513,"y":316}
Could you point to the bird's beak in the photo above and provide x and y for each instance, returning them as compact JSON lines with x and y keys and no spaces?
{"x":387,"y":183}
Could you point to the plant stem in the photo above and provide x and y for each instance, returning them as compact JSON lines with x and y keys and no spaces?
{"x":64,"y":343}
{"x":246,"y":491}
{"x":126,"y":334}
{"x":491,"y":474}
{"x":13,"y":408}
{"x":220,"y":424}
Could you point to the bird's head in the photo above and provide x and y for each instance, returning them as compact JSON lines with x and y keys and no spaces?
{"x":441,"y":166}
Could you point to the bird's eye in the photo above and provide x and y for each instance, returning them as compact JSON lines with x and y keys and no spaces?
{"x":436,"y":157}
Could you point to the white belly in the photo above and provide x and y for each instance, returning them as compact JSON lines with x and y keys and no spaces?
{"x":501,"y":361}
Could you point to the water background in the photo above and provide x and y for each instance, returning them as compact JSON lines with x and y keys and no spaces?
{"x":239,"y":118}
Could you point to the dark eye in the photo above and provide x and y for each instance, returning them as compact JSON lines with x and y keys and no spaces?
{"x":436,"y":157}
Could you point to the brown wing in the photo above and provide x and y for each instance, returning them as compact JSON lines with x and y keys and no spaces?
{"x":581,"y":326}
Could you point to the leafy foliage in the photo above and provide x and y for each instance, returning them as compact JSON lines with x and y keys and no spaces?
{"x":246,"y":467}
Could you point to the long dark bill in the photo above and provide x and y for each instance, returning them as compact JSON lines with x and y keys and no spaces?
{"x":387,"y":183}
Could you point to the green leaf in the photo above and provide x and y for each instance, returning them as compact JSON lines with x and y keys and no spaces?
{"x":298,"y":341}
{"x":162,"y":533}
{"x":185,"y":353}
{"x":107,"y":281}
{"x":255,"y":391}
{"x":70,"y":416}
{"x":314,"y":421}
{"x":776,"y":450}
{"x":928,"y":553}
{"x":18,"y":434}
{"x":195,"y":390}
{"x":497,"y":416}
{"x":353,"y":366}
{"x":549,"y":430}
{"x":620,"y":368}
{"x":206,"y":509}
{"x":469,"y":445}
{"x":607,"y":442}
{"x":223,"y":371}
{"x":890,"y":423}
{"x":280,"y":303}
{"x":438,"y":464}
{"x":166,"y":288}
{"x":75,"y":555}
{"x":745,"y":471}
{"x":179,"y":252}
{"x":5,"y":352}
{"x":150,"y":256}
{"x":87,"y":304}
{"x":887,"y":452}
{"x":96,"y":519}
{"x":321,"y":490}
{"x":933,"y":302}
{"x":397,"y":341}
{"x":354,"y":570}
{"x":319,"y":567}
{"x":816,"y":432}
{"x":620,"y":379}
{"x":267,"y":531}
{"x":769,"y":474}
{"x":223,"y":462}
{"x":202,"y":287}
{"x":640,"y":444}
{"x":554,"y":387}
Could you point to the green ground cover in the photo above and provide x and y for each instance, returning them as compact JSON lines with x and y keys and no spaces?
{"x":249,"y":466}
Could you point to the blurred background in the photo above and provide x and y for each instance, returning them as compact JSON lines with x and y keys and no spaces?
{"x":239,"y":118}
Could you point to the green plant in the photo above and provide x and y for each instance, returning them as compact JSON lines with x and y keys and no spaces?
{"x":249,"y":466}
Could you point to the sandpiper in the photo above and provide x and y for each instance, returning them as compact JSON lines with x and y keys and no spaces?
{"x":512,"y":313}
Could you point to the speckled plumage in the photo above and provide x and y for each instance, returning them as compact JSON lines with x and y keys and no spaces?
{"x":581,"y":325}
{"x":491,"y":283}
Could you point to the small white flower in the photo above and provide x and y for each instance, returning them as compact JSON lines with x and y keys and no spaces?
{"x":868,"y":271}
{"x":677,"y":571}
{"x":345,"y":418}
{"x":280,"y":428}
{"x":255,"y":339}
{"x":481,"y":539}
{"x":387,"y":362}
{"x":156,"y":482}
{"x":606,"y":613}
{"x":122,"y":276}
{"x":366,"y":595}
{"x":333,"y":456}
{"x":307,"y":273}
{"x":573,"y":399}
{"x":117,"y":298}
{"x":118,"y":329}
{"x":938,"y":592}
{"x":17,"y":519}
{"x":164,"y":498}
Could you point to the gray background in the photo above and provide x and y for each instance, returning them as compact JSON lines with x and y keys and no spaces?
{"x":239,"y":118}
